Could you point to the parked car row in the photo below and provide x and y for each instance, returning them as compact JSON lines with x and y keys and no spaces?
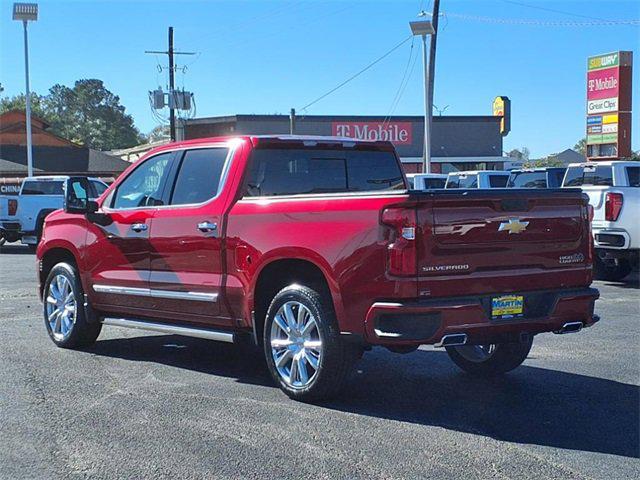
{"x":22,"y":215}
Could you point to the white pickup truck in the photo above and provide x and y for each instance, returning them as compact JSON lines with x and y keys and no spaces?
{"x":22,"y":215}
{"x":614,"y":192}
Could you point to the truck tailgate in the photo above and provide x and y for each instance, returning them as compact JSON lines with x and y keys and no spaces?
{"x":486,"y":241}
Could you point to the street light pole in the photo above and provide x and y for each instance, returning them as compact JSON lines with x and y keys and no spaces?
{"x":26,"y":12}
{"x":424,"y":28}
{"x":426,"y":156}
{"x":28,"y":102}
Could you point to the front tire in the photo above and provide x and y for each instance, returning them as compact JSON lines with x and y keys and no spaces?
{"x":305,"y":353}
{"x":64,"y":315}
{"x":491,"y":359}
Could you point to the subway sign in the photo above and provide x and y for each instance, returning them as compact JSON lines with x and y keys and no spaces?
{"x":609,"y":105}
{"x":398,"y":133}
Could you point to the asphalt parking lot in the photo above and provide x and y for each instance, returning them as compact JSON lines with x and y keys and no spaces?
{"x":138,"y":405}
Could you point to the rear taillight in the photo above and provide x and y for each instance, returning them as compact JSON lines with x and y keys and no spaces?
{"x":402,"y":242}
{"x":13,"y":206}
{"x":613,"y":206}
{"x":590,"y":212}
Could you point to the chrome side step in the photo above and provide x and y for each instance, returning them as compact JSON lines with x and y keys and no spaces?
{"x":216,"y":335}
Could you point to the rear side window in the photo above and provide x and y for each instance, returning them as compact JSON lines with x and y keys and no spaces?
{"x":42,"y":188}
{"x":312,"y":171}
{"x":498,"y":181}
{"x":589,"y":175}
{"x":198,"y":179}
{"x":528,"y":180}
{"x":633,"y":175}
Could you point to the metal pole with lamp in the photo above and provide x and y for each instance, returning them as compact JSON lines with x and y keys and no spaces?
{"x":27,"y":12}
{"x":424,"y":28}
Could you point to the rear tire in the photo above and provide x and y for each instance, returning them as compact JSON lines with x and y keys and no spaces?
{"x":489,"y":360}
{"x":65,"y":317}
{"x":305,"y":353}
{"x":612,"y":271}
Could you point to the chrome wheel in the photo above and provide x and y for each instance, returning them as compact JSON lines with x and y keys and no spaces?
{"x":61,"y":307}
{"x":476,"y":353}
{"x":296,"y":346}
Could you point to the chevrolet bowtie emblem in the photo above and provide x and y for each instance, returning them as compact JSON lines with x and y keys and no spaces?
{"x":514,"y":225}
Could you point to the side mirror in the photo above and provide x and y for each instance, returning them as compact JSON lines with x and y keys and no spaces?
{"x":76,"y":195}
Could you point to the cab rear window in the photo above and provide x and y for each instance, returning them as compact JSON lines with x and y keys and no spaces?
{"x":42,"y":188}
{"x":462,"y":181}
{"x":274,"y":172}
{"x":588,"y":175}
{"x":528,"y":180}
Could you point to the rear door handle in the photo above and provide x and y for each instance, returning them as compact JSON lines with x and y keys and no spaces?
{"x":207,"y":227}
{"x":139,"y":227}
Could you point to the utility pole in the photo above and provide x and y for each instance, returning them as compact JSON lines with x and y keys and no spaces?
{"x":172,"y":113}
{"x":171,"y":52}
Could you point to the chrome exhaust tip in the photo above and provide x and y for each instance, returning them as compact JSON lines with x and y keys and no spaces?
{"x":570,"y":327}
{"x":451,"y":340}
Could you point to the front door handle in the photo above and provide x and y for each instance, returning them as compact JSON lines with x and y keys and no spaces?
{"x":139,"y":227}
{"x":207,"y":227}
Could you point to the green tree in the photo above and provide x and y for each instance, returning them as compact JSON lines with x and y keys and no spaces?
{"x":88,"y":114}
{"x":549,"y":161}
{"x":581,"y":147}
{"x":160,"y":132}
{"x":19,"y":102}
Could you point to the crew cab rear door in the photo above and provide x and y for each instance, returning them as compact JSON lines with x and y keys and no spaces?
{"x":117,"y":252}
{"x":186,"y":239}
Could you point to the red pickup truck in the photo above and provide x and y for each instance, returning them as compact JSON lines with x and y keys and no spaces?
{"x":314,"y":248}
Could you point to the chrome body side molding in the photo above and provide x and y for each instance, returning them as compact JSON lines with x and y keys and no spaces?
{"x":147,"y":292}
{"x":216,"y":335}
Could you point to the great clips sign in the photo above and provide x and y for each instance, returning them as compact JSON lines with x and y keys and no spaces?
{"x":398,"y":133}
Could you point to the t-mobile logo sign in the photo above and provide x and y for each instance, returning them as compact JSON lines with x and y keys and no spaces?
{"x":399,"y":133}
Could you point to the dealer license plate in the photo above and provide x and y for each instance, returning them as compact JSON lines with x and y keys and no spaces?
{"x":507,"y":306}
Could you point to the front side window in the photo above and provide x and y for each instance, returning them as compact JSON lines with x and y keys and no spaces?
{"x":313,"y":171}
{"x":144,"y":186}
{"x":98,"y":188}
{"x":199,"y":176}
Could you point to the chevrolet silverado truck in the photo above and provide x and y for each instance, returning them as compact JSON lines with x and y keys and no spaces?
{"x":613,"y":189}
{"x":314,"y":249}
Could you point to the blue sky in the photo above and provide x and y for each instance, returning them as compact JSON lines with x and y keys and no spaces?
{"x":269,"y":56}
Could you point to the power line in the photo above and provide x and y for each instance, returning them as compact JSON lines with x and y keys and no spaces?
{"x":403,"y":83}
{"x":553,"y":10}
{"x":352,"y":77}
{"x":544,"y":23}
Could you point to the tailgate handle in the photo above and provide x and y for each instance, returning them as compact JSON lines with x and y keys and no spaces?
{"x":514,"y":204}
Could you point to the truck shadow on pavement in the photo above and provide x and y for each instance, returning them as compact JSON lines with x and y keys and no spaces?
{"x":530,"y":405}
